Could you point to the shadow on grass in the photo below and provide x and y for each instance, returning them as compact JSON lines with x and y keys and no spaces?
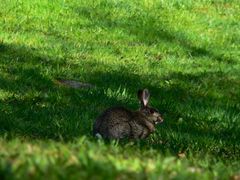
{"x":32,"y":105}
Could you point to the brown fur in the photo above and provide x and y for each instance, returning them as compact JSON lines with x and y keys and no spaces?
{"x":119,"y":122}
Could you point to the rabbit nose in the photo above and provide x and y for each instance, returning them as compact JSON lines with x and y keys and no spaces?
{"x":160,"y":119}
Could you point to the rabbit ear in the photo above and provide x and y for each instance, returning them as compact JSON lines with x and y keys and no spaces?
{"x":143,"y":96}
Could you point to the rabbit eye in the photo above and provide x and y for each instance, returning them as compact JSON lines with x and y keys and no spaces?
{"x":152,"y":111}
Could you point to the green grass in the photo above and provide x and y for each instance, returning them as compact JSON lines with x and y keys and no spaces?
{"x":187,"y":53}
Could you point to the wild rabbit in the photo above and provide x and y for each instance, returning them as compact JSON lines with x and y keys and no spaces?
{"x":119,"y":122}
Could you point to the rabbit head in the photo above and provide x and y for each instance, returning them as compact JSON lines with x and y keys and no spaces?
{"x":152,"y":114}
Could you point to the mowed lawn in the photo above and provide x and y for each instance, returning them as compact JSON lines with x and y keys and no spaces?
{"x":187,"y":53}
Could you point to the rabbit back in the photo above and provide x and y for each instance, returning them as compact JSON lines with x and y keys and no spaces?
{"x":119,"y":122}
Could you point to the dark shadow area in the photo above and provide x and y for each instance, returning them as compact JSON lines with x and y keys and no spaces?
{"x":34,"y":106}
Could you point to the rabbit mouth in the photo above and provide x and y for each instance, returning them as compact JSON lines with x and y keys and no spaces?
{"x":159,"y":120}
